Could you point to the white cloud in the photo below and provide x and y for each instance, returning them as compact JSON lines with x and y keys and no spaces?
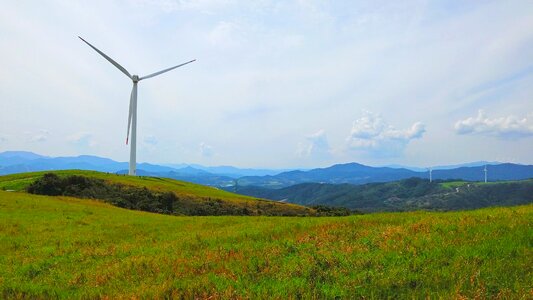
{"x":82,"y":139}
{"x":316,"y":146}
{"x":41,"y":136}
{"x":374,"y":136}
{"x":206,"y":150}
{"x":509,"y":127}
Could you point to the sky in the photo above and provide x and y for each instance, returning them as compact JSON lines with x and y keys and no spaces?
{"x":276,"y":84}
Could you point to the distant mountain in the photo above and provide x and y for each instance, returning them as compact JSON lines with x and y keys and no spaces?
{"x":20,"y":154}
{"x":416,"y":169}
{"x":471,"y":164}
{"x":343,"y":173}
{"x":17,"y":157}
{"x":22,"y":161}
{"x":188,"y":174}
{"x":19,"y":162}
{"x":354,"y":173}
{"x":445,"y":167}
{"x":239,"y":172}
{"x":407,"y":194}
{"x":506,"y":171}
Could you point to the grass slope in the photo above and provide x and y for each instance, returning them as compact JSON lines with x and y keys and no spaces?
{"x":22,"y":180}
{"x":59,"y":247}
{"x":191,"y":195}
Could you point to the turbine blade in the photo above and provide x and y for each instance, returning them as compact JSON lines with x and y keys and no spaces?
{"x":109,"y":59}
{"x":165,"y":70}
{"x":130,"y":114}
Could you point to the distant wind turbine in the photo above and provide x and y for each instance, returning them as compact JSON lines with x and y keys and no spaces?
{"x":430,"y":170}
{"x":485,"y":170}
{"x":132,"y":117}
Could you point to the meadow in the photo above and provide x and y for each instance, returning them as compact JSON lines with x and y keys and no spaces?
{"x":18,"y":182}
{"x":192,"y":199}
{"x":61,"y":247}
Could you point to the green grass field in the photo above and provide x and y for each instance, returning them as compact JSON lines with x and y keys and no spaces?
{"x":19,"y":182}
{"x":460,"y":183}
{"x":191,"y":195}
{"x":59,"y":247}
{"x":454,"y":184}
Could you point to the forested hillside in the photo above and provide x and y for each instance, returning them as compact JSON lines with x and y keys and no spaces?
{"x":403,"y":195}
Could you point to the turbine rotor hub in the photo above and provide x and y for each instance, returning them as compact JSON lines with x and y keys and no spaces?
{"x":135,"y":78}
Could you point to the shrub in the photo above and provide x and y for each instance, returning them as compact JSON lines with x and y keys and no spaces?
{"x":50,"y":184}
{"x":119,"y":195}
{"x":328,"y":211}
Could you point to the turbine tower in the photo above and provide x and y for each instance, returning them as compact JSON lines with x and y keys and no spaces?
{"x":485,"y":170}
{"x":430,"y":170}
{"x":132,"y":117}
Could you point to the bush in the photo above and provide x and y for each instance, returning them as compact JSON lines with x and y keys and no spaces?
{"x":50,"y":184}
{"x":328,"y":211}
{"x":119,"y":195}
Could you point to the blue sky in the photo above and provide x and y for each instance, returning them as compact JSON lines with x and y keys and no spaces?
{"x":277,"y":83}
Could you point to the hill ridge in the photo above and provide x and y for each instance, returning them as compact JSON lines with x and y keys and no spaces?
{"x":192,"y":199}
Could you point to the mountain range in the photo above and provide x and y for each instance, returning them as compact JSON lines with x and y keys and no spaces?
{"x":446,"y":167}
{"x":354,"y":173}
{"x":224,"y":176}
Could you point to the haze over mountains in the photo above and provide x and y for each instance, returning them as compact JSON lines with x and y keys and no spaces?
{"x":22,"y":161}
{"x":355,"y":173}
{"x":352,"y":173}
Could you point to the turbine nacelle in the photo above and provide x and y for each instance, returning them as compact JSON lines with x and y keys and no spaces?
{"x":135,"y":78}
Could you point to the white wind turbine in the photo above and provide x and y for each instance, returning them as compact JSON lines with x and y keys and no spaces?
{"x":132,"y":117}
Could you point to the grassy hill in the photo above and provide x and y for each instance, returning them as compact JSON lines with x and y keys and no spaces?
{"x":403,"y":195}
{"x":61,"y":247}
{"x":193,"y":199}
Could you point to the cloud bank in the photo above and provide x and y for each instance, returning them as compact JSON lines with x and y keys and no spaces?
{"x":372,"y":135}
{"x":509,"y":127}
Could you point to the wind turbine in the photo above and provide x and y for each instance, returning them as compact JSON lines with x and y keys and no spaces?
{"x":485,"y":170}
{"x":132,"y":117}
{"x":430,"y":170}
